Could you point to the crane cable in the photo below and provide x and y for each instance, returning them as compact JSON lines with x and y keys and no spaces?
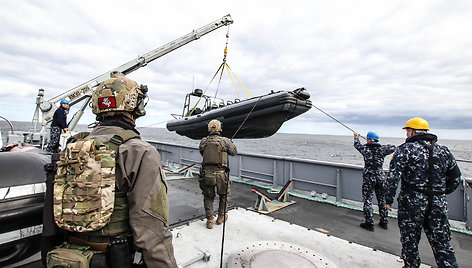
{"x":225,"y":53}
{"x":221,"y":67}
{"x":217,"y":71}
{"x":235,"y":87}
{"x":228,"y":69}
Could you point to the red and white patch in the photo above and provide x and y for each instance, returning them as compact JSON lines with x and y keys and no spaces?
{"x":106,"y":103}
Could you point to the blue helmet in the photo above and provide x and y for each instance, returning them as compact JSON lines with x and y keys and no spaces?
{"x":372,"y":135}
{"x":64,"y":101}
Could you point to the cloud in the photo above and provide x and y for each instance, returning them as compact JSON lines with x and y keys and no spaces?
{"x":367,"y":63}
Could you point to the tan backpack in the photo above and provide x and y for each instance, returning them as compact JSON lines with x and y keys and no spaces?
{"x":84,"y":185}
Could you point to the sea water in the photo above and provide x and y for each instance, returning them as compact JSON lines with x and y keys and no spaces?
{"x":331,"y":148}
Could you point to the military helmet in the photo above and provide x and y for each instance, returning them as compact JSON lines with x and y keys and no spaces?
{"x":372,"y":135}
{"x":119,"y":95}
{"x":214,"y":125}
{"x":417,"y":123}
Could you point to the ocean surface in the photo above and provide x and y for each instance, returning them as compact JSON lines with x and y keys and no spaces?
{"x":331,"y":148}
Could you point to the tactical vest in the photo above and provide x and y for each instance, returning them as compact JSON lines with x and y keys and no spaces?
{"x":213,"y":154}
{"x":84,"y":188}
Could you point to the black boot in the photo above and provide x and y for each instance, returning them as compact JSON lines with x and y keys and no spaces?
{"x":367,"y":226}
{"x":384,"y":225}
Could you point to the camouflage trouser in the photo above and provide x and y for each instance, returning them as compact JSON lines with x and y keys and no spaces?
{"x":369,"y":185}
{"x":53,"y":145}
{"x":411,"y":219}
{"x":222,"y":180}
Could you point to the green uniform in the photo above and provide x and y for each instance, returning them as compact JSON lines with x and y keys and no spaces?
{"x":215,"y":150}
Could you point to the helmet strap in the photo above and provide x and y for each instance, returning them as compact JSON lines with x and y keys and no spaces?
{"x":116,"y":116}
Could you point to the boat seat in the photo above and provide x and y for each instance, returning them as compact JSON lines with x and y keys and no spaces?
{"x":195,"y":111}
{"x":229,"y":102}
{"x":222,"y":104}
{"x":236,"y":100}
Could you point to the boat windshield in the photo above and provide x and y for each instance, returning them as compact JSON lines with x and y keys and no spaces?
{"x":194,"y":104}
{"x":212,"y":103}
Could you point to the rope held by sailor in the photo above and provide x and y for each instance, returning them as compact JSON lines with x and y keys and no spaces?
{"x":336,"y":120}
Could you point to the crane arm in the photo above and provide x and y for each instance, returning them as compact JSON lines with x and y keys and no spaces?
{"x":85,"y":90}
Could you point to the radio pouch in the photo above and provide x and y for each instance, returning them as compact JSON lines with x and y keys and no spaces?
{"x":210,"y":178}
{"x":69,"y":255}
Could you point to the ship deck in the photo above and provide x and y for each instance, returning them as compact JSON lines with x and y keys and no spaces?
{"x":343,"y":223}
{"x":323,"y":220}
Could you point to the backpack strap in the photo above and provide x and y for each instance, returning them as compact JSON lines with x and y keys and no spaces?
{"x":121,"y":138}
{"x":78,"y":136}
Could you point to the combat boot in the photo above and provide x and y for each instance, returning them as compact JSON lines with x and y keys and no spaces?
{"x":367,"y":226}
{"x":384,"y":225}
{"x":220,"y":219}
{"x":209,"y":224}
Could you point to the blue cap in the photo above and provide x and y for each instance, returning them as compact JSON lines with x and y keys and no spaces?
{"x":372,"y":135}
{"x":64,"y":101}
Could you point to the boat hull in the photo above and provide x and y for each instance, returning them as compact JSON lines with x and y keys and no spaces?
{"x":258,"y":117}
{"x":22,"y":187}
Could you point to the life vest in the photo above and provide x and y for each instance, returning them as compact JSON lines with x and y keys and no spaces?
{"x":85,"y":199}
{"x":213,"y":153}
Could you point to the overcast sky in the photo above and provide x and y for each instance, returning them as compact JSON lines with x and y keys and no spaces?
{"x":370,"y":64}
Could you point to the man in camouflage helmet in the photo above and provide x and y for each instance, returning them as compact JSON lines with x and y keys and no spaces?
{"x":215,"y":171}
{"x":427,"y":171}
{"x":373,"y":177}
{"x":117,"y":102}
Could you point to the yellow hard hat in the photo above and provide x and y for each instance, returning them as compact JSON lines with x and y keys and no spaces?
{"x":417,"y":123}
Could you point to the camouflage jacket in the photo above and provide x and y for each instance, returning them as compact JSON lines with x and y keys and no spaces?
{"x":226,"y":144}
{"x":410,"y":164}
{"x":374,"y":154}
{"x":138,"y":168}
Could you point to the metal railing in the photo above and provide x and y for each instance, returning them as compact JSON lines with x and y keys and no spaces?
{"x":341,"y":181}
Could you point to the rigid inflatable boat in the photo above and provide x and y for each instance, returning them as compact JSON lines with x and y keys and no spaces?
{"x":257,"y":117}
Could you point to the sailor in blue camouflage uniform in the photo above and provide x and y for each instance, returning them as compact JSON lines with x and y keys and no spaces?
{"x":422,"y":203}
{"x":59,"y":124}
{"x":373,"y":177}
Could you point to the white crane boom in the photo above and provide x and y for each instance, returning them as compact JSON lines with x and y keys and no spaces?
{"x":85,"y":90}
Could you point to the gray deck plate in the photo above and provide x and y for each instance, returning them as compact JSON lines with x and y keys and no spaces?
{"x":186,"y":202}
{"x":340,"y":222}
